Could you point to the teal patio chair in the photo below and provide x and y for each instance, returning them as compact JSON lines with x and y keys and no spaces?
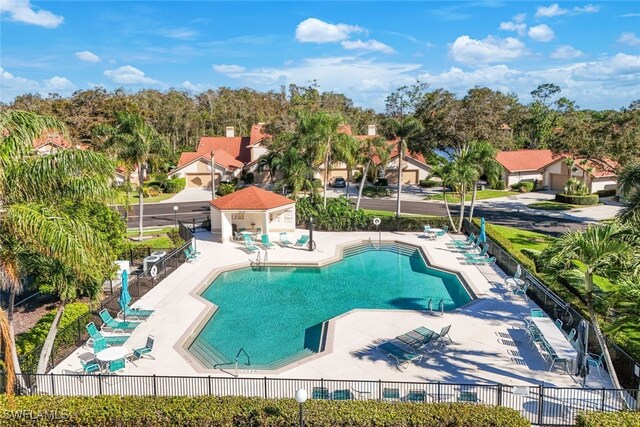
{"x":89,"y":366}
{"x":416,"y":339}
{"x":401,"y":356}
{"x":344,"y":394}
{"x":284,"y":240}
{"x":391,"y":394}
{"x":192,"y":251}
{"x":189,"y":257}
{"x":481,"y":254}
{"x":559,"y":323}
{"x":111,"y":340}
{"x":485,"y":260}
{"x":515,"y":280}
{"x":522,"y":291}
{"x":266,"y":242}
{"x":320,"y":393}
{"x":427,"y":229}
{"x":469,"y":241}
{"x":596,"y":361}
{"x":442,"y":232}
{"x":468,"y":397}
{"x":137,"y":313}
{"x":111,"y":323}
{"x":117,"y":365}
{"x":99,"y":345}
{"x":444,"y":333}
{"x":536,"y":312}
{"x":303,"y":240}
{"x":248,"y":244}
{"x":416,"y":396}
{"x":141,"y":352}
{"x":572,"y":334}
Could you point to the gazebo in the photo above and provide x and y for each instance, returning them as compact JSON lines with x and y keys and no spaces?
{"x":252,"y":209}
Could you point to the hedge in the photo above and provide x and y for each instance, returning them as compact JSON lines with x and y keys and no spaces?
{"x":75,"y":314}
{"x":606,"y":193}
{"x":134,"y":411}
{"x":588,"y":199}
{"x":524,"y":186}
{"x":429,"y":183}
{"x":608,"y":419}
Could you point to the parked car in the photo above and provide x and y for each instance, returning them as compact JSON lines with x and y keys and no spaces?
{"x":339,"y":182}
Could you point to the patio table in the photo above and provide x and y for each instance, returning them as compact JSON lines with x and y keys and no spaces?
{"x":556,"y":339}
{"x":112,"y":353}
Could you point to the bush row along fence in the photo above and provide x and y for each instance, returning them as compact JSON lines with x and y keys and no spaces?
{"x":140,"y":282}
{"x":538,"y":404}
{"x":625,"y":366}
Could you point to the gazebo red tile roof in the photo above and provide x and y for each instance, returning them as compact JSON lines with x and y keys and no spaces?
{"x":251,"y":199}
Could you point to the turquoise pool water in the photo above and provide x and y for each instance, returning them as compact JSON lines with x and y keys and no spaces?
{"x":275,"y":313}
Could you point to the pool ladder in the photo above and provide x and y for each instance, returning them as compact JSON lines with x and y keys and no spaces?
{"x":440,"y":306}
{"x":242,"y":350}
{"x":259,"y":261}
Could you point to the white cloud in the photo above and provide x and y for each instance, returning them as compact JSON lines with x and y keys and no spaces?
{"x":629,"y":38}
{"x":566,"y":52}
{"x":87,"y":56}
{"x":58,"y":84}
{"x":128,"y":75}
{"x":372,"y":45}
{"x":541,"y":33}
{"x":13,"y":86}
{"x":313,"y":30}
{"x":550,"y":11}
{"x":228,"y":69}
{"x":23,"y":11}
{"x":491,"y":49}
{"x":590,"y":8}
{"x":629,"y":15}
{"x":520,"y":28}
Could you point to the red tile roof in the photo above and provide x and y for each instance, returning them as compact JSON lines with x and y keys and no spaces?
{"x":52,"y":138}
{"x":526,"y":160}
{"x":251,"y":199}
{"x":258,"y":134}
{"x":222,"y":158}
{"x":597,"y":170}
{"x":236,"y":146}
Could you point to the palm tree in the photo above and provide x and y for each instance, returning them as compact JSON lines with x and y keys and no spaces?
{"x":370,"y":147}
{"x":271,"y":162}
{"x":629,"y":182}
{"x":602,"y":252}
{"x":405,"y":130}
{"x":463,"y":173}
{"x":6,"y":345}
{"x":443,"y":171}
{"x":569,"y":162}
{"x":325,"y":142}
{"x":484,"y":155}
{"x":32,"y":219}
{"x":136,"y":144}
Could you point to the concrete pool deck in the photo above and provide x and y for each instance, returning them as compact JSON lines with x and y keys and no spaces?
{"x":489,"y":342}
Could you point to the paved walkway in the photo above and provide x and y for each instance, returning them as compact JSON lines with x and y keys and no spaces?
{"x":190,"y":195}
{"x":489,"y":342}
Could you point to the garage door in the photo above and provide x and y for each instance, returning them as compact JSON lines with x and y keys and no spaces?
{"x":557,"y":181}
{"x":198,"y":180}
{"x":334,"y":173}
{"x":410,"y":177}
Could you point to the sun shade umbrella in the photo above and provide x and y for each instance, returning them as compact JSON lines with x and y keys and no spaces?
{"x":125,"y":298}
{"x":482,"y":238}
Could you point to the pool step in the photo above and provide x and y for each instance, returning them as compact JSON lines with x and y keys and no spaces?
{"x":287,"y":360}
{"x":399,"y":248}
{"x":207,"y":355}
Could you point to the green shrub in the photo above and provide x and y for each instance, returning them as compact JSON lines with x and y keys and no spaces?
{"x":506,"y":244}
{"x":575,"y":187}
{"x":138,"y":411}
{"x":376,"y":192}
{"x":382,"y":182}
{"x":75,"y":313}
{"x":429,"y":183}
{"x":357,"y":177}
{"x":608,"y":419}
{"x":606,"y":193}
{"x":317,"y":183}
{"x":524,"y":186}
{"x":585,"y":200}
{"x":175,"y":185}
{"x":500,"y":185}
{"x":225,"y":188}
{"x":174,"y":235}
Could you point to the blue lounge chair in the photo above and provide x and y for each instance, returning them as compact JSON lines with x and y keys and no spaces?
{"x":521,"y":290}
{"x":89,"y":366}
{"x":417,"y":340}
{"x":111,"y":340}
{"x":481,"y":254}
{"x":320,"y":393}
{"x":248,"y":244}
{"x":391,"y":394}
{"x":426,"y":230}
{"x":401,"y":356}
{"x":193,"y":251}
{"x":344,"y":394}
{"x":516,"y":279}
{"x":188,"y":256}
{"x":416,"y":396}
{"x":136,"y":313}
{"x":468,"y":397}
{"x":111,"y":323}
{"x":303,"y":240}
{"x":442,"y":232}
{"x":266,"y":242}
{"x":469,"y":241}
{"x":99,"y":345}
{"x":284,"y":240}
{"x":596,"y":361}
{"x":536,"y":312}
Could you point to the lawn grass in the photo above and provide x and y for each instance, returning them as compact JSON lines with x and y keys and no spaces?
{"x":524,"y":239}
{"x":133,"y":198}
{"x":391,"y":214}
{"x":552,"y":206}
{"x":481,"y":195}
{"x":151,"y":232}
{"x":161,"y":242}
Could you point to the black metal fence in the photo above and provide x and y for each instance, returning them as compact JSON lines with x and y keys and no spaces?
{"x":626,"y":367}
{"x":539,"y":404}
{"x":140,"y":282}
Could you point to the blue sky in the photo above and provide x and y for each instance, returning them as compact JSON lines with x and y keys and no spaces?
{"x":363,"y":49}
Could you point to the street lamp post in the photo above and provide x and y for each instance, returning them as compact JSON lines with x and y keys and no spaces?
{"x":301,"y":397}
{"x":213,"y":175}
{"x":310,"y":247}
{"x":175,"y":216}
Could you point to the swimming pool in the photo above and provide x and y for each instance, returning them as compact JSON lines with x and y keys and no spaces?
{"x":277,"y":314}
